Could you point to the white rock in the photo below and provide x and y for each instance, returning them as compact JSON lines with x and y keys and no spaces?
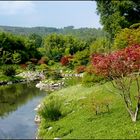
{"x":9,"y":83}
{"x":37,"y":119}
{"x":50,"y":128}
{"x":38,"y":107}
{"x":57,"y":139}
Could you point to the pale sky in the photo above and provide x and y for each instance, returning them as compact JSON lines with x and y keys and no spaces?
{"x":49,"y":13}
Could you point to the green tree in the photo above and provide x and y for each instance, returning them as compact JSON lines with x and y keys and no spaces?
{"x":101,"y":45}
{"x":115,"y":14}
{"x":59,"y":45}
{"x":81,"y":58}
{"x":37,"y":39}
{"x":54,"y":45}
{"x":16,"y":49}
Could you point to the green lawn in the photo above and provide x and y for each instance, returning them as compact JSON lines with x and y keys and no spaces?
{"x":80,"y":120}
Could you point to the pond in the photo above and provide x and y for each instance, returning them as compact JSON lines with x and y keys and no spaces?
{"x":17,"y":103}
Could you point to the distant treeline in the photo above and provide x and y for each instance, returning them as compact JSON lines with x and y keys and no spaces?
{"x":82,"y":33}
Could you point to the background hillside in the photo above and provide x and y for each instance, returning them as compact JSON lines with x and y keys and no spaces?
{"x":82,"y":33}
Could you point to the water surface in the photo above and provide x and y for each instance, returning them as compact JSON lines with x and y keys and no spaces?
{"x":17,"y":103}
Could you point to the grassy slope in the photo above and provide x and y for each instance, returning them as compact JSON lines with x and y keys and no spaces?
{"x":81,"y":122}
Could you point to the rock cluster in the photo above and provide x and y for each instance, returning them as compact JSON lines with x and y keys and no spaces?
{"x":32,"y":75}
{"x":72,"y":75}
{"x":49,"y":86}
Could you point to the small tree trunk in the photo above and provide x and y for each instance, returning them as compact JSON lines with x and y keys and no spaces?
{"x":137,"y":112}
{"x":134,"y":117}
{"x":130,"y":111}
{"x":107,"y":106}
{"x":132,"y":114}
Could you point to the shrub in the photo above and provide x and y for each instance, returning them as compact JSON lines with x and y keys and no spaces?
{"x":16,"y":58}
{"x":81,"y":58}
{"x":30,"y":66}
{"x":9,"y":71}
{"x":101,"y":45}
{"x":117,"y":64}
{"x":43,"y":60}
{"x":64,"y":61}
{"x":67,"y":61}
{"x":126,"y":37}
{"x":51,"y":110}
{"x":23,"y":66}
{"x":43,"y":67}
{"x":51,"y":62}
{"x":80,"y":69}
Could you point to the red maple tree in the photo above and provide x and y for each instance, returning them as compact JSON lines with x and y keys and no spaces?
{"x":122,"y":68}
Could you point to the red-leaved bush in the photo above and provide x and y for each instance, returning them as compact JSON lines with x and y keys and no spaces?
{"x":122,"y":62}
{"x":23,"y":66}
{"x":42,"y":61}
{"x":80,"y":69}
{"x":65,"y":60}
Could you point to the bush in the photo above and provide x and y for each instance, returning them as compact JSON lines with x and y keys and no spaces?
{"x":81,"y":58}
{"x":16,"y":58}
{"x":9,"y":71}
{"x":30,"y":66}
{"x":43,"y":60}
{"x":23,"y":66}
{"x":101,"y":45}
{"x":51,"y":110}
{"x":43,"y":67}
{"x":51,"y":62}
{"x":126,"y":37}
{"x":80,"y":69}
{"x":117,"y":64}
{"x":65,"y":60}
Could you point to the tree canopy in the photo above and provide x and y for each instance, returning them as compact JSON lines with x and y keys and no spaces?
{"x":16,"y":49}
{"x":59,"y":45}
{"x":115,"y":14}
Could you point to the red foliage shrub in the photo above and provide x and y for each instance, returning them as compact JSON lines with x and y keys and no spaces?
{"x":65,"y":60}
{"x":116,"y":64}
{"x":23,"y":66}
{"x":42,"y":61}
{"x":80,"y":69}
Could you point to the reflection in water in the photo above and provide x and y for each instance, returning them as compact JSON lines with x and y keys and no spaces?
{"x":17,"y":103}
